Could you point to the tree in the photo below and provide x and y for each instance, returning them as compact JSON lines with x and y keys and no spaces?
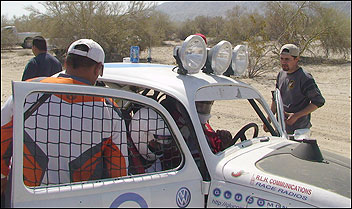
{"x":186,"y":28}
{"x":259,"y":45}
{"x":233,"y":25}
{"x":7,"y":38}
{"x":307,"y":24}
{"x":115,"y":26}
{"x":217,"y":26}
{"x":336,"y":36}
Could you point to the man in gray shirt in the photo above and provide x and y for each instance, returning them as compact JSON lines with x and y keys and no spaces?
{"x":299,"y":92}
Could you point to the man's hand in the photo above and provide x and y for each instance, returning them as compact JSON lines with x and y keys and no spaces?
{"x":290,"y":118}
{"x":226,"y":138}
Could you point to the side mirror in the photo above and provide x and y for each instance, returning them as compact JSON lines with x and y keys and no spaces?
{"x":301,"y":134}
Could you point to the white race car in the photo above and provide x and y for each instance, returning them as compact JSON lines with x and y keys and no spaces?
{"x":178,"y":166}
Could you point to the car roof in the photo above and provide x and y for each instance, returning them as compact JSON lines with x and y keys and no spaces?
{"x":163,"y":78}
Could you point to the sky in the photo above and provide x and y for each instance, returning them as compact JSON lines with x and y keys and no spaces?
{"x":11,"y":8}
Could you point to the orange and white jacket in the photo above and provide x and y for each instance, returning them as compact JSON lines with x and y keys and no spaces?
{"x":69,"y":138}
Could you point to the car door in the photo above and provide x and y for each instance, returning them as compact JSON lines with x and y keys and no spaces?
{"x":178,"y":186}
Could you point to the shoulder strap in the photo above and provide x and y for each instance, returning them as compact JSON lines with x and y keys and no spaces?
{"x":36,"y":105}
{"x":39,"y":102}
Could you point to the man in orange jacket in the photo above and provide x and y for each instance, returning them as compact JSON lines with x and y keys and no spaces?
{"x":69,"y":138}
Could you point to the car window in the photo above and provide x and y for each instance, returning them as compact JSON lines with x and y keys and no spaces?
{"x":232,"y":116}
{"x":70,"y":138}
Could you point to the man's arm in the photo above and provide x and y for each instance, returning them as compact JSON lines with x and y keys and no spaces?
{"x":293,"y":117}
{"x":309,"y":89}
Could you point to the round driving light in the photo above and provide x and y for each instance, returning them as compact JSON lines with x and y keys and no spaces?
{"x":220,"y":57}
{"x":239,"y":60}
{"x":193,"y":54}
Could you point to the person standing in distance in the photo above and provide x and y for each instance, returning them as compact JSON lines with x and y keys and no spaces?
{"x":299,"y":92}
{"x":43,"y":64}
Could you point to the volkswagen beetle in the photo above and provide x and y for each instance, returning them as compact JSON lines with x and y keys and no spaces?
{"x":257,"y":169}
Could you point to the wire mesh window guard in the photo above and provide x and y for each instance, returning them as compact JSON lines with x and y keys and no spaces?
{"x":74,"y":138}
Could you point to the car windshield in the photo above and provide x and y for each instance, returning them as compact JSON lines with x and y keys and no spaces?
{"x":233,"y":117}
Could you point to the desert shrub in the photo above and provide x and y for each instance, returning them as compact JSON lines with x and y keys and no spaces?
{"x":260,"y":48}
{"x":7,"y":38}
{"x":336,"y":38}
{"x":306,"y":23}
{"x":119,"y":25}
{"x":185,"y":29}
{"x":116,"y":26}
{"x":217,"y":26}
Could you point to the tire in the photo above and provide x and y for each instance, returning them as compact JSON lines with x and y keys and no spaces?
{"x":27,"y":43}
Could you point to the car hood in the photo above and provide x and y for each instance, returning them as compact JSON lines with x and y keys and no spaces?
{"x":276,"y":164}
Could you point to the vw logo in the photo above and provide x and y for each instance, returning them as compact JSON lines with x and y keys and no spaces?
{"x":183,"y":197}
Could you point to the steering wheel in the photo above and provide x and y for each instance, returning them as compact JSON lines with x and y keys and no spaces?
{"x":241,"y":133}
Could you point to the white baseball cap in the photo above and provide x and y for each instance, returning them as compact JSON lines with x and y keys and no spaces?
{"x":95,"y":51}
{"x":292,"y":50}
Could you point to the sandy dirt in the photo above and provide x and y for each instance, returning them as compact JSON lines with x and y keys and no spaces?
{"x":331,"y":123}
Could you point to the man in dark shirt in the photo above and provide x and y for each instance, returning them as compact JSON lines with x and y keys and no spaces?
{"x":299,"y":92}
{"x":43,"y":64}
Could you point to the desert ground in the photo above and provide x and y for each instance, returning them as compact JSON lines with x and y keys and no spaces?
{"x":331,"y":123}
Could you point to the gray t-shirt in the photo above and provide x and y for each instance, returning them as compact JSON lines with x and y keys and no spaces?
{"x":298,"y":89}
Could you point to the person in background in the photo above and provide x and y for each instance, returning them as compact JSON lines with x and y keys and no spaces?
{"x":43,"y":64}
{"x":299,"y":92}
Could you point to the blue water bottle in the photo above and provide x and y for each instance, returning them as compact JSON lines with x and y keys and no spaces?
{"x":134,"y":54}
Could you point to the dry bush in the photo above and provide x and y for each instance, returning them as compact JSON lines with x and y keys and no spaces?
{"x":116,"y":26}
{"x":7,"y":40}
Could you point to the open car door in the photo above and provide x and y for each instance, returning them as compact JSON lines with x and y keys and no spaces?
{"x":177,"y":185}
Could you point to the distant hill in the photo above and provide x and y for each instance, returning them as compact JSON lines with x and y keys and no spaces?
{"x":343,"y":6}
{"x":181,"y":10}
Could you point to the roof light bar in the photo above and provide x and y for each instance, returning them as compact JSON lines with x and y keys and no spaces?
{"x":220,"y":57}
{"x":239,"y":60}
{"x":191,"y":56}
